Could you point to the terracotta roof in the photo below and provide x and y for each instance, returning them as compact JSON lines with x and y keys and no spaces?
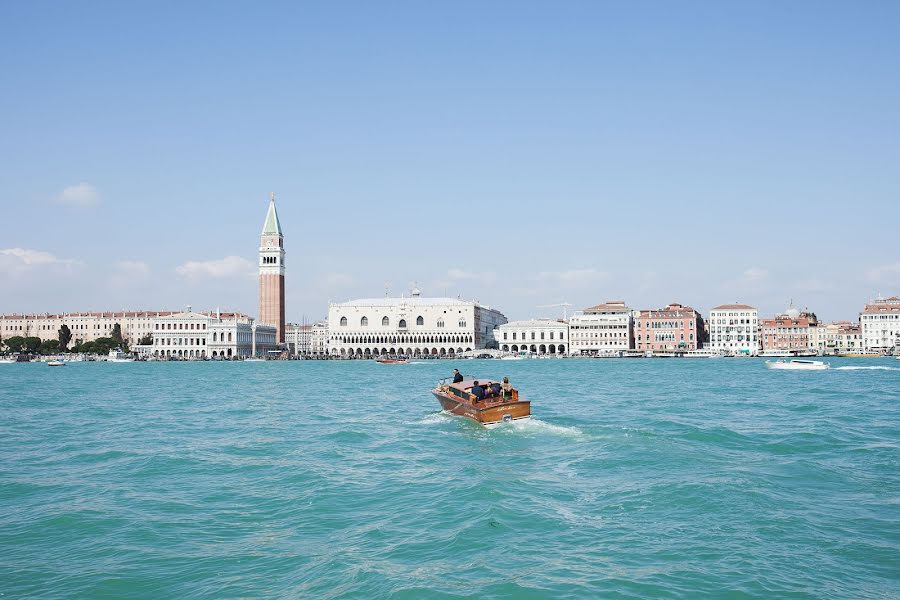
{"x":734,"y":307}
{"x":609,"y":305}
{"x":110,"y":314}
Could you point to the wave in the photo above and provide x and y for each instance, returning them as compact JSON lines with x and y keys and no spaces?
{"x":868,"y":368}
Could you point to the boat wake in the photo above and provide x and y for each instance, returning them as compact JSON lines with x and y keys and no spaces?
{"x":433,"y":419}
{"x":868,"y":368}
{"x":535,"y":425}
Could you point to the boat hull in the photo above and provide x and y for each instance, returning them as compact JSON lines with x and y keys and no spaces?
{"x":490,"y":415}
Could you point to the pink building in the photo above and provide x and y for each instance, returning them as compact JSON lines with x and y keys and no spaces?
{"x":674,"y":327}
{"x":790,"y":331}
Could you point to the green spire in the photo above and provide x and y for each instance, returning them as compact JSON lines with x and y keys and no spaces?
{"x":272,"y":226}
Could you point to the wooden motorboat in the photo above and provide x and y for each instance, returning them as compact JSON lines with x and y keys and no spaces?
{"x":457,"y":399}
{"x":392,"y":361}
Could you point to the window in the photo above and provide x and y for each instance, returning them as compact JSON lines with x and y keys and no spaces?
{"x":420,"y":321}
{"x":364,"y":322}
{"x":401,"y":324}
{"x":440,"y":323}
{"x":385,"y":322}
{"x":343,"y":321}
{"x":462,"y":322}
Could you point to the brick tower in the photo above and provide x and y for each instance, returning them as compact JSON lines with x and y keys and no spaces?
{"x":271,"y":273}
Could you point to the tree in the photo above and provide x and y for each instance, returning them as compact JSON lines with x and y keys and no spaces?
{"x":147,"y":340}
{"x":15,"y":343}
{"x":49,"y":347}
{"x":32,"y":344}
{"x":65,"y":336}
{"x":116,"y":335}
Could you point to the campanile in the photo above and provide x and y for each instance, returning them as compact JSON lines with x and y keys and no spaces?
{"x":271,"y":273}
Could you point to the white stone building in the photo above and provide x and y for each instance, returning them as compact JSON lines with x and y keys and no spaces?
{"x":413,"y":326}
{"x":880,"y":325}
{"x":192,"y":335}
{"x":732,"y":329}
{"x":537,"y":336}
{"x":85,"y":326}
{"x":308,"y":340}
{"x":603,"y":329}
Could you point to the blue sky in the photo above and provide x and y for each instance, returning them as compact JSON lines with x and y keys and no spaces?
{"x":518,"y":153}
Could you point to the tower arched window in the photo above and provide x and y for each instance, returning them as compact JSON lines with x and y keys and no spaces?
{"x":420,"y":320}
{"x":343,"y":321}
{"x":462,"y":322}
{"x":385,"y":321}
{"x":440,"y":323}
{"x":401,"y":324}
{"x":364,"y":322}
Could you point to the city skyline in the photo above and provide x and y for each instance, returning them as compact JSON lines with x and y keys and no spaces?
{"x":656,"y":154}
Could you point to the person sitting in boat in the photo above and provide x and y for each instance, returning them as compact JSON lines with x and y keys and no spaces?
{"x":495,"y":389}
{"x":506,"y":387}
{"x":457,"y":376}
{"x":478,"y":392}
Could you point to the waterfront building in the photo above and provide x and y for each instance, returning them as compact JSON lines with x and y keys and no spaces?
{"x":307,"y":339}
{"x":732,"y":329}
{"x":413,"y":326}
{"x":880,"y":323}
{"x":601,"y":329}
{"x":85,"y":326}
{"x":675,"y":327}
{"x":792,"y":330}
{"x":538,"y":336}
{"x":271,"y":273}
{"x":841,"y":337}
{"x":193,"y":335}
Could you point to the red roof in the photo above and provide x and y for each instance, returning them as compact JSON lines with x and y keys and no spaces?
{"x":734,"y":307}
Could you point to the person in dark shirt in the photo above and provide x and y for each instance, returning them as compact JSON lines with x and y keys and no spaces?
{"x":495,"y":389}
{"x":457,"y":376}
{"x":478,"y":392}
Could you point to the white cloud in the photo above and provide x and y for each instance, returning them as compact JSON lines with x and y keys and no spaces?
{"x":82,"y":195}
{"x":230,"y":266}
{"x":755,"y":274}
{"x":14,"y":260}
{"x":889,"y":274}
{"x":572,"y":277}
{"x":135,"y":268}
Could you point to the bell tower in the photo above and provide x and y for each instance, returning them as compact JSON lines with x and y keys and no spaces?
{"x":271,"y":273}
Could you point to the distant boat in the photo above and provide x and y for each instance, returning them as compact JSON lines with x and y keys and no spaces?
{"x":9,"y":360}
{"x":254,"y":359}
{"x":797,"y":365}
{"x":56,"y":363}
{"x":118,"y":356}
{"x":512,"y":357}
{"x":392,"y":361}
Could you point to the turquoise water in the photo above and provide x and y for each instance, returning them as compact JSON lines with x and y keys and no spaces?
{"x":638,"y":479}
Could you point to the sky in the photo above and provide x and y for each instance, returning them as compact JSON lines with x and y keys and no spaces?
{"x":520,"y":154}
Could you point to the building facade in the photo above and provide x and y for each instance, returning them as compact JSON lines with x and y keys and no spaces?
{"x":537,"y":336}
{"x":793,"y":331}
{"x":602,"y":329}
{"x":732,"y":329}
{"x":413,"y":326}
{"x":85,"y":326}
{"x":673,"y":328}
{"x":880,"y":323}
{"x":308,"y":339}
{"x":271,"y":273}
{"x":191,"y":335}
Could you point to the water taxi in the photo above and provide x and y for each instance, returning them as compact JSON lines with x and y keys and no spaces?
{"x":56,"y":363}
{"x":797,"y":365}
{"x":392,"y":361}
{"x":458,"y":399}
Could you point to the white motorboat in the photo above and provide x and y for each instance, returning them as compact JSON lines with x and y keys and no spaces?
{"x":703,"y":353}
{"x":56,"y":363}
{"x":797,"y":365}
{"x":512,"y":357}
{"x":119,"y":357}
{"x":9,"y":360}
{"x":254,"y":359}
